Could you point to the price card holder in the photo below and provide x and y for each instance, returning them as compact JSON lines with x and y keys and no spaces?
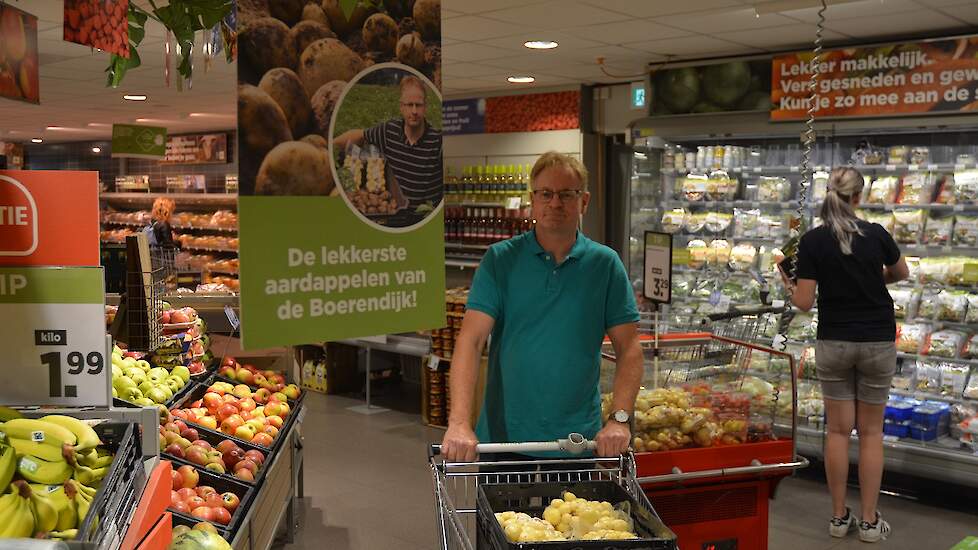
{"x":55,"y":348}
{"x":658,"y":267}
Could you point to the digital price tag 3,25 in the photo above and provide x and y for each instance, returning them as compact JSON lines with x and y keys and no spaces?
{"x":54,"y":340}
{"x":658,"y":267}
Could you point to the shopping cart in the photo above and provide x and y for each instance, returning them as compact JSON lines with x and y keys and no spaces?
{"x":457,"y":484}
{"x":710,"y":468}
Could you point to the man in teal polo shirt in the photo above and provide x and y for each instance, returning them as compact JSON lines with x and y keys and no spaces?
{"x":547,"y":298}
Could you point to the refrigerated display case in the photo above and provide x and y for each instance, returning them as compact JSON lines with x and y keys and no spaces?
{"x":728,"y":198}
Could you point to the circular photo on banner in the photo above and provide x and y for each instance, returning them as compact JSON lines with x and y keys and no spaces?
{"x":386,"y":146}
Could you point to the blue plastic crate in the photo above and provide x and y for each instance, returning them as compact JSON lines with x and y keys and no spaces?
{"x":898,"y":411}
{"x":898,"y":429}
{"x":921,"y":433}
{"x":928,"y":416}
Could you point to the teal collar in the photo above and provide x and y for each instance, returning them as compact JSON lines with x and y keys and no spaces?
{"x":576,"y":251}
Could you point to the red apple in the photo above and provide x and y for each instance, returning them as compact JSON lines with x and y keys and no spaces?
{"x":232,"y":423}
{"x":262,"y":440}
{"x":208,"y":422}
{"x":174,"y":495}
{"x":190,"y":433}
{"x":203,"y":512}
{"x":205,"y":490}
{"x":228,"y":360}
{"x":212,"y":400}
{"x":174,"y":450}
{"x":180,"y":506}
{"x":276,"y":421}
{"x":195,"y":502}
{"x":227,"y":371}
{"x":255,"y":456}
{"x":232,"y":457}
{"x":244,"y":376}
{"x":275,"y":408}
{"x":214,"y":499}
{"x":196,"y":454}
{"x":226,"y":410}
{"x":221,"y":515}
{"x":226,"y":445}
{"x":230,"y":501}
{"x":230,"y":398}
{"x":291,"y":391}
{"x":179,"y":413}
{"x":244,"y":474}
{"x":190,"y":476}
{"x":186,"y":494}
{"x":176,"y":480}
{"x":177,"y":316}
{"x":247,"y":464}
{"x":261,"y":395}
{"x":271,"y":430}
{"x":241,"y":391}
{"x":259,"y":380}
{"x":181,"y":426}
{"x":247,"y":404}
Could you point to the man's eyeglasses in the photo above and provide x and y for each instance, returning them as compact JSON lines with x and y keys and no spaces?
{"x":566,"y":196}
{"x":413,"y":105}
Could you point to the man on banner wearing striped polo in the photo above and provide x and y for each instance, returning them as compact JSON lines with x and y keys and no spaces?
{"x":411,"y":147}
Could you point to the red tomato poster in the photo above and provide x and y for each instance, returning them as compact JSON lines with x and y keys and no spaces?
{"x":18,"y":55}
{"x":49,"y":218}
{"x":102,"y":24}
{"x":533,"y":112}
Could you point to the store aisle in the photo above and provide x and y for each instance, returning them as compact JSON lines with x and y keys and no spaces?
{"x":368,"y":488}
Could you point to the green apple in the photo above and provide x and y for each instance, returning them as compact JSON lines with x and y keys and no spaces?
{"x":118,"y":360}
{"x":166,"y":389}
{"x":144,"y":365}
{"x":116,"y":349}
{"x":116,"y":371}
{"x":144,"y":402}
{"x":115,"y":393}
{"x":175,"y":383}
{"x":181,"y":371}
{"x":122,"y":382}
{"x":137,"y":375}
{"x":157,"y":395}
{"x":146,"y":386}
{"x":129,"y":362}
{"x":157,"y":375}
{"x":130,"y":393}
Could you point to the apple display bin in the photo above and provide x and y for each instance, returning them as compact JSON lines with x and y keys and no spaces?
{"x":219,"y":378}
{"x":116,"y":402}
{"x":223,"y":485}
{"x":181,"y":519}
{"x":216,"y":437}
{"x":198,"y":393}
{"x":730,"y":483}
{"x":119,"y":493}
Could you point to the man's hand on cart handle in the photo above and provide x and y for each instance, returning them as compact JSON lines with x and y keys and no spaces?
{"x":459,"y":444}
{"x":614,"y":439}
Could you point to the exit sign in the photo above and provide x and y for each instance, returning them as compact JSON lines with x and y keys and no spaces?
{"x":639,"y":95}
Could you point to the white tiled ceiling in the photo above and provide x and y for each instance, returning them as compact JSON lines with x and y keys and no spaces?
{"x":630,"y":34}
{"x":482,"y":45}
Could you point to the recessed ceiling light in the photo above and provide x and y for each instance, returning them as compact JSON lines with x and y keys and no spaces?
{"x":37,"y":140}
{"x":98,"y":124}
{"x":55,"y":128}
{"x":134,"y":97}
{"x":96,"y":150}
{"x":520,"y":79}
{"x":540,"y":44}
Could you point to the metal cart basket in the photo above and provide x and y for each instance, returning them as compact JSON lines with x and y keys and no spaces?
{"x":456,"y":485}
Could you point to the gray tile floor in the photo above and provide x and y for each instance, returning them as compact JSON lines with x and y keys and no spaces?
{"x":368,"y":487}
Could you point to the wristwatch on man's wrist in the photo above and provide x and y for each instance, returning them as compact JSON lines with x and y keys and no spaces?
{"x":621,"y":416}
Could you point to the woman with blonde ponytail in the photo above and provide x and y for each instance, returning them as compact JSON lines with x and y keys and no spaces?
{"x":851,"y":261}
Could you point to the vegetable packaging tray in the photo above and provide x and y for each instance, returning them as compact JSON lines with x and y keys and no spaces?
{"x":533,"y":498}
{"x":222,"y":484}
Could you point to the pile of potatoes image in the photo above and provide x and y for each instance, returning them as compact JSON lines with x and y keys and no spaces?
{"x":295,"y":59}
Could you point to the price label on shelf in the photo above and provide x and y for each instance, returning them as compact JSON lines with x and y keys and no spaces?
{"x":914,"y":167}
{"x":232,"y":317}
{"x":658,"y":267}
{"x":54,"y":344}
{"x":794,"y":169}
{"x":513,"y":203}
{"x":959,"y":208}
{"x":757,"y":169}
{"x":932,"y":167}
{"x":891,"y":167}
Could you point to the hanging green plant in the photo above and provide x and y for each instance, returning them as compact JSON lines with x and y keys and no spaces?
{"x":183,"y":18}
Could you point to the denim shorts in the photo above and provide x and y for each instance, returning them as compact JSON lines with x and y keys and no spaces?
{"x":855,"y":370}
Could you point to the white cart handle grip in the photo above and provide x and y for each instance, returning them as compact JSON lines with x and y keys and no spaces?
{"x":574,"y":444}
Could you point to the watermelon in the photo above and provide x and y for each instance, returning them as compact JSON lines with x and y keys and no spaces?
{"x":678,"y":89}
{"x":725,"y":83}
{"x":199,"y":540}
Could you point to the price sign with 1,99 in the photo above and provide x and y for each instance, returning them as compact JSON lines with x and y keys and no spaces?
{"x":658,"y":267}
{"x":55,"y":345}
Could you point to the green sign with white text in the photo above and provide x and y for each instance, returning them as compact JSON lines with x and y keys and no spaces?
{"x":132,"y":141}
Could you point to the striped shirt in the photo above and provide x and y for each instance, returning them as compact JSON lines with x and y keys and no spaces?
{"x":418,"y":167}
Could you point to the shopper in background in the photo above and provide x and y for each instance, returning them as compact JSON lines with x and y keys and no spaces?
{"x":547,"y":298}
{"x":851,"y":262}
{"x":160,"y":226}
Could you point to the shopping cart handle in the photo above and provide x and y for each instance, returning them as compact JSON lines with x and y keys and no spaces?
{"x":743,"y":312}
{"x":574,"y":444}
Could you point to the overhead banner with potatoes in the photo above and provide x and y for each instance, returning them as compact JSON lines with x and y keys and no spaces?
{"x":930,"y":76}
{"x":341,"y":179}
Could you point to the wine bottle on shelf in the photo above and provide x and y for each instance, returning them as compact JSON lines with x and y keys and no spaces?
{"x":466,"y":182}
{"x":511,"y":180}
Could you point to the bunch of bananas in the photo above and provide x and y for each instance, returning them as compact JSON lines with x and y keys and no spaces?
{"x":58,"y":463}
